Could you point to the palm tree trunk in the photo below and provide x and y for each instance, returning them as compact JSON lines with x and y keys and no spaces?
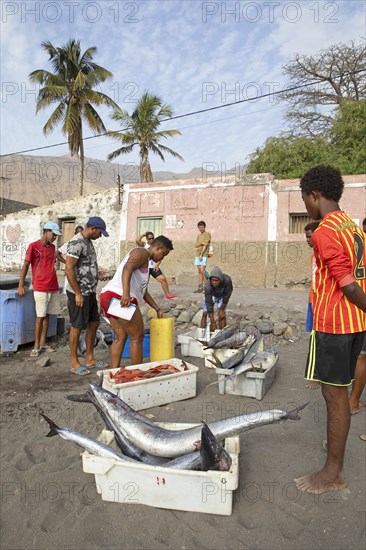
{"x":145,"y":168}
{"x":81,"y":173}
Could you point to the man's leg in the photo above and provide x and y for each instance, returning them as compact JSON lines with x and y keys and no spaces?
{"x":135,"y":330}
{"x":330,"y":478}
{"x":119,"y":341}
{"x":358,"y":385}
{"x":204,"y":319}
{"x":38,"y":332}
{"x":91,"y":331}
{"x":74,"y":341}
{"x":164,"y":284}
{"x":44,"y":329}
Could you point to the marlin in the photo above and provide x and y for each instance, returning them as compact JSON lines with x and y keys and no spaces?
{"x":166,"y":443}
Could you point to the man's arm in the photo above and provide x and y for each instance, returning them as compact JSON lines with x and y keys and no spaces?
{"x":139,"y":240}
{"x":71,"y":278}
{"x":228,"y":290}
{"x":21,"y":289}
{"x":60,"y":257}
{"x":355,"y":294}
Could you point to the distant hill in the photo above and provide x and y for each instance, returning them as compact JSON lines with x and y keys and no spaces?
{"x":39,"y":180}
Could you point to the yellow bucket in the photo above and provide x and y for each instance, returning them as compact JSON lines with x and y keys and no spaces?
{"x":161,"y":339}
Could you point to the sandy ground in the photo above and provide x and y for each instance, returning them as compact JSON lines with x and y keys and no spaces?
{"x":48,"y":502}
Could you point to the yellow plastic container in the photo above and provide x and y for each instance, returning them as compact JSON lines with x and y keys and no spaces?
{"x":161,"y":339}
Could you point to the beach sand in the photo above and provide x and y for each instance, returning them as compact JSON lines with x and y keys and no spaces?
{"x":48,"y":502}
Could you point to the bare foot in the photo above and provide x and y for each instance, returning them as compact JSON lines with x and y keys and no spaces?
{"x":318,"y":483}
{"x":312,"y":385}
{"x":363,"y":437}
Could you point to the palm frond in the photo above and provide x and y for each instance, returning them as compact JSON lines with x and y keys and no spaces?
{"x":121,"y":151}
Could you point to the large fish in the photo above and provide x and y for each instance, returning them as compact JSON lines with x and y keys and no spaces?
{"x":212,"y":456}
{"x":238,"y":340}
{"x":87,"y":443}
{"x":159,"y":441}
{"x":220,"y":336}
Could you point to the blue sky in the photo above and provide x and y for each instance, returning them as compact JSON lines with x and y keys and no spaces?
{"x":194,"y":54}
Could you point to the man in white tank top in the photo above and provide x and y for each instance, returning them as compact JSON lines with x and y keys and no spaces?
{"x":129,"y":286}
{"x":154,"y":267}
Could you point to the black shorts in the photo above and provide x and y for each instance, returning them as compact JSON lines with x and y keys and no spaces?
{"x":155,"y":274}
{"x":80,"y":317}
{"x":332,"y":357}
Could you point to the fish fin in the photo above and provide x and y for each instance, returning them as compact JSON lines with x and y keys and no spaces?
{"x":294,"y":414}
{"x":80,"y":398}
{"x":53,"y":431}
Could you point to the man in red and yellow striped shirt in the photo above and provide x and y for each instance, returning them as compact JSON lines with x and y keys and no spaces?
{"x":339,"y":309}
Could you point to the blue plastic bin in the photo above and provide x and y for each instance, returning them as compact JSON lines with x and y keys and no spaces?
{"x":145,"y":347}
{"x":18,"y":316}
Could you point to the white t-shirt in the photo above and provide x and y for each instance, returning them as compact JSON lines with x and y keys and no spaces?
{"x":138,"y":283}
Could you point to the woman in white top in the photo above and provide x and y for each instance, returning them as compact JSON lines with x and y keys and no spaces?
{"x":129,"y":286}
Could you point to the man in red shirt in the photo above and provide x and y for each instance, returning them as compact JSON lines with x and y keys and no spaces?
{"x":339,"y":309}
{"x":41,"y":255}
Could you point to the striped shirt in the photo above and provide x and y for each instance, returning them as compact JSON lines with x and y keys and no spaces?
{"x":340,"y":253}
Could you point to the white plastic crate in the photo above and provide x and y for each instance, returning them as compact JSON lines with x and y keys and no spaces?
{"x":153,"y":392}
{"x":249,"y":384}
{"x":187,"y":490}
{"x":190,"y":346}
{"x":221,"y":354}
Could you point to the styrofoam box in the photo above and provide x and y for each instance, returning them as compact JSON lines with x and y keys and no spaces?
{"x":188,"y":490}
{"x":189,"y":342}
{"x":153,"y":392}
{"x":249,"y":384}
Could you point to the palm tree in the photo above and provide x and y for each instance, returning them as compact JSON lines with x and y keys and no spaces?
{"x":71,"y":85}
{"x":140,"y":129}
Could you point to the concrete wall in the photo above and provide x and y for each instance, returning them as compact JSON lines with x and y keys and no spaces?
{"x":19,"y":229}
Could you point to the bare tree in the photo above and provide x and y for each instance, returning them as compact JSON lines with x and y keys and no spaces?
{"x":333,"y":75}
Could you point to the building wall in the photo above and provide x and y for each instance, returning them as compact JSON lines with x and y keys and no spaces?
{"x":19,"y":229}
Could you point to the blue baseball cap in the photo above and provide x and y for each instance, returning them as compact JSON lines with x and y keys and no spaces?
{"x":52,"y":226}
{"x":99,"y":223}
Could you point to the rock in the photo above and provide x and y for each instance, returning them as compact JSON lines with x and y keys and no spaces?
{"x":151,"y":314}
{"x":180,"y":306}
{"x":184,"y":317}
{"x":264,"y":326}
{"x":197,"y":318}
{"x":165,"y":308}
{"x":172,"y":304}
{"x":288,"y":333}
{"x":252,"y":315}
{"x":176,"y":312}
{"x":279,"y":315}
{"x":265,"y":316}
{"x":43,"y":362}
{"x":279,"y":328}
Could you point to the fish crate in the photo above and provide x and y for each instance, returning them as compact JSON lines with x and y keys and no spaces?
{"x":249,"y":384}
{"x":153,"y":392}
{"x":186,"y":490}
{"x":190,"y":346}
{"x":223,"y":353}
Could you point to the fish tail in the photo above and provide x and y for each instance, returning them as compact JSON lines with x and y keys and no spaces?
{"x":294,"y":414}
{"x":80,"y":398}
{"x":54,"y":428}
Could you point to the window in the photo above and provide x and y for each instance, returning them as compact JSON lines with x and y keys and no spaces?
{"x":298,"y":222}
{"x":155,"y":225}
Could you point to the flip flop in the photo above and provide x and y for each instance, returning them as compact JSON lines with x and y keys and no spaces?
{"x":363,"y":437}
{"x":81,"y":371}
{"x":48,"y":349}
{"x":35,"y":352}
{"x":99,"y":365}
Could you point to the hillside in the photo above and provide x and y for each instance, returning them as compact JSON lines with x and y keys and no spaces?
{"x":42,"y":180}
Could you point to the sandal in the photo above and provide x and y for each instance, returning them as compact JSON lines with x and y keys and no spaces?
{"x":48,"y":349}
{"x":99,"y":365}
{"x":81,"y":371}
{"x":35,"y":352}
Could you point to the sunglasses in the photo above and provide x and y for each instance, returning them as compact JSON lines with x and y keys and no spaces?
{"x":150,"y":239}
